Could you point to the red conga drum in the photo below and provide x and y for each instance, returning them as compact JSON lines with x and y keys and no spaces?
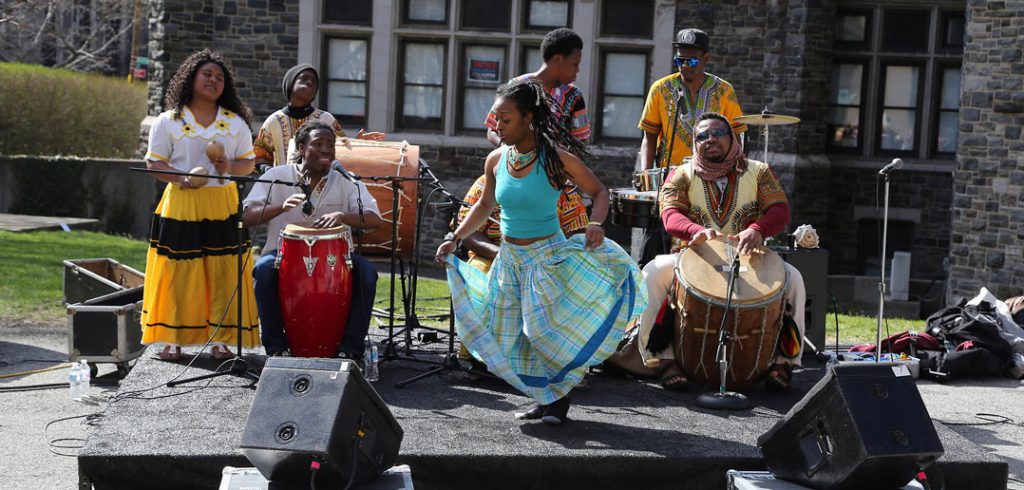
{"x":315,"y":288}
{"x":368,"y":158}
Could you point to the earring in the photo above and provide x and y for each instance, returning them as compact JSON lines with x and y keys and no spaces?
{"x":531,"y":126}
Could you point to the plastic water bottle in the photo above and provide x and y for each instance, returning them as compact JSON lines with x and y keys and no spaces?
{"x":86,"y":377}
{"x":370,"y":361}
{"x":75,"y":381}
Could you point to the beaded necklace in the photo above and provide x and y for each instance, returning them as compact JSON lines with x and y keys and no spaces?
{"x":519,"y":161}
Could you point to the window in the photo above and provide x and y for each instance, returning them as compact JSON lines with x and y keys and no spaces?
{"x":348,"y":12}
{"x":627,"y":18}
{"x":425,"y":12}
{"x":546,"y":15}
{"x":623,"y":92}
{"x":949,"y":111}
{"x":483,"y":70}
{"x":531,"y":59}
{"x":421,"y":88}
{"x":345,"y":85}
{"x":486,"y":14}
{"x":895,"y":81}
{"x":899,"y":107}
{"x":845,"y":105}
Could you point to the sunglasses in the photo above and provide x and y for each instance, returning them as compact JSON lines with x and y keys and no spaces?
{"x":706,"y":135}
{"x":692,"y":61}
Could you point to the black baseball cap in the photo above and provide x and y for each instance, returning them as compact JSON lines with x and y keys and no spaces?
{"x":692,"y":38}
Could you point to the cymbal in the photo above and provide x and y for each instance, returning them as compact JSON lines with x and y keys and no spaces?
{"x":767,"y":119}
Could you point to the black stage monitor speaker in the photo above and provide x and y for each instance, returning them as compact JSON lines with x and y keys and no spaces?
{"x":323,"y":411}
{"x":861,"y":426}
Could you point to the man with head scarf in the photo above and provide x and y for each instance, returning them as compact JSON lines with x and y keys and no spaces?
{"x":274,"y":144}
{"x":719,"y":192}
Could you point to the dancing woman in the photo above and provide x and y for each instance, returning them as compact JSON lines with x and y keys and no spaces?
{"x":550,"y":306}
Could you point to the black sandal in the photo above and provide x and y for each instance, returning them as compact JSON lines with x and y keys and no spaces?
{"x":557,"y":413}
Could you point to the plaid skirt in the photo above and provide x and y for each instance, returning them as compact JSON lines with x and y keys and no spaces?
{"x":546,"y":311}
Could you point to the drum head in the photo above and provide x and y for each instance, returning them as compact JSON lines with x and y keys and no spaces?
{"x":302,"y":231}
{"x":629,"y":194}
{"x":705,"y":268}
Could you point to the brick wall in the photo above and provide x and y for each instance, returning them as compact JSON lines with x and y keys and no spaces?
{"x":988,"y":193}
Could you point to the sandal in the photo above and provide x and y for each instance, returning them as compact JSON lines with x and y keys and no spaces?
{"x":671,"y":377}
{"x":220,"y":352}
{"x":171,"y":352}
{"x":778,"y":377}
{"x":556,"y":413}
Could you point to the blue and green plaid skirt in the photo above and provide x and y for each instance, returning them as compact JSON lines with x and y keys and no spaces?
{"x":546,"y":311}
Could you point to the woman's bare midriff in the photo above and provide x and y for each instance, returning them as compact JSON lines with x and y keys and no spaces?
{"x":525,"y":241}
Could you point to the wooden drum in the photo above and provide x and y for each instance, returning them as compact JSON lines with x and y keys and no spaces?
{"x":754,"y":321}
{"x":368,"y":158}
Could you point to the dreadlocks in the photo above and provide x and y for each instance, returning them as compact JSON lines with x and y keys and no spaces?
{"x":179,"y":91}
{"x":303,"y":134}
{"x":531,"y":98}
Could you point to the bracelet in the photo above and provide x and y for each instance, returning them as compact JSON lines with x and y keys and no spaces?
{"x":598,"y":223}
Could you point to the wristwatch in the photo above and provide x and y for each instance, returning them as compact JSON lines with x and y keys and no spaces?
{"x":450,"y":237}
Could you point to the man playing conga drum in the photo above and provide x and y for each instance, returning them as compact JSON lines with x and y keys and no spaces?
{"x":331,"y":201}
{"x":719,"y":192}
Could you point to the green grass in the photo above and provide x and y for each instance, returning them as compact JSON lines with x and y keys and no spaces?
{"x":32,"y":271}
{"x":855,"y":329}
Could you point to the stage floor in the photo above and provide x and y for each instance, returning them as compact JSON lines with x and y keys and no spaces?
{"x":461,"y":434}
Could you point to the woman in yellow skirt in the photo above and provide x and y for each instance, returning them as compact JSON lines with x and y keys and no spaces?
{"x":191,"y":266}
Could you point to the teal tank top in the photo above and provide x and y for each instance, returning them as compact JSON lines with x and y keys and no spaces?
{"x":529,"y":205}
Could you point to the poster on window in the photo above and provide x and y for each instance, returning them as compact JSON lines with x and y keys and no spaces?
{"x":483,"y":70}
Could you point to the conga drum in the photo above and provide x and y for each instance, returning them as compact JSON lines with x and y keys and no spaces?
{"x":753,"y":321}
{"x":383,"y":159}
{"x":315,"y":287}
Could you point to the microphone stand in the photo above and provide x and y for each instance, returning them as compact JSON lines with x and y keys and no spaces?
{"x":239,"y":366}
{"x":451,"y":359}
{"x":725,"y":400}
{"x":881,"y":283}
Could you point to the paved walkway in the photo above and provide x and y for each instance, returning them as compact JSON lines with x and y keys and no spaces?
{"x":24,"y":222}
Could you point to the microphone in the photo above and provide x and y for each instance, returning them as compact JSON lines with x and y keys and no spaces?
{"x":336,"y":166}
{"x":897,"y":163}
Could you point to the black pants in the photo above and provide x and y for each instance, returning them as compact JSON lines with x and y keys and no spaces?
{"x":656,"y":241}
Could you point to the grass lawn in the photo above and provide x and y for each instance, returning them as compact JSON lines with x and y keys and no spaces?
{"x":32,"y":271}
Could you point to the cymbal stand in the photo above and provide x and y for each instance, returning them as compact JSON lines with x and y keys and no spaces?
{"x":764,"y":132}
{"x":239,"y":366}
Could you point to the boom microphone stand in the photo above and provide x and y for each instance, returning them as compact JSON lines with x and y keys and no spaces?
{"x":239,"y":366}
{"x":725,"y":400}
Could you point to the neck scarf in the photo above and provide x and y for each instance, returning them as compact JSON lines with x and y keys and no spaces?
{"x":298,"y":112}
{"x":710,"y":171}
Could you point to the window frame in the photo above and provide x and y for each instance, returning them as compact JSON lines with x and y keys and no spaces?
{"x":919,"y":109}
{"x":525,"y":26}
{"x":400,"y":85}
{"x":936,"y":116}
{"x":461,"y":21}
{"x":600,"y":26}
{"x":940,"y":46}
{"x":597,"y":119}
{"x":404,"y":19}
{"x":869,"y":24}
{"x":523,"y":68}
{"x":324,"y":93}
{"x":324,"y":20}
{"x":460,"y":87}
{"x":865,"y":64}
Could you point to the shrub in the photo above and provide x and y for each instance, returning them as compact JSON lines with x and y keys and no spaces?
{"x":48,"y":111}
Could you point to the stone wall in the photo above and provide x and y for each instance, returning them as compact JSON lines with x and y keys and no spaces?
{"x":988,"y":193}
{"x":777,"y":55}
{"x":918,"y":197}
{"x":260,"y":38}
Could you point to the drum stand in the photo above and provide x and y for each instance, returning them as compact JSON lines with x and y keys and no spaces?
{"x":239,"y":366}
{"x":725,"y":400}
{"x":451,"y":359}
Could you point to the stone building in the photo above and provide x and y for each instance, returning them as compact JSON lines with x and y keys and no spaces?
{"x":871,"y":81}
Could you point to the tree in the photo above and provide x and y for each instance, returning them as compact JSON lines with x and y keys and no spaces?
{"x":82,"y":35}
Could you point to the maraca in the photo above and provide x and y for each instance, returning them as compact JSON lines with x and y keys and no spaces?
{"x":195,"y":179}
{"x":215,"y":152}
